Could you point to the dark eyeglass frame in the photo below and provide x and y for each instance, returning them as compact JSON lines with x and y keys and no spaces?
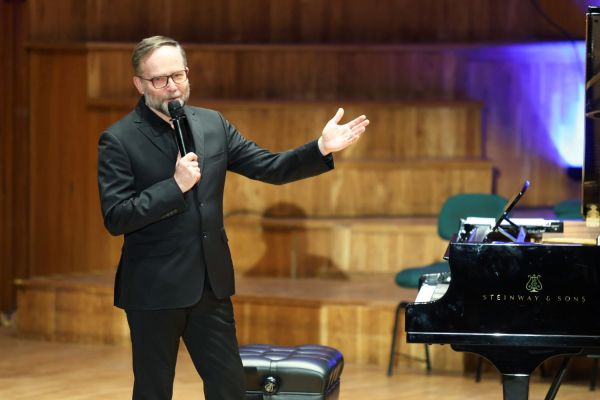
{"x":154,"y":78}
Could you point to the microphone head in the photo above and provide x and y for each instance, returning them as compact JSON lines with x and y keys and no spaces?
{"x":175,"y":109}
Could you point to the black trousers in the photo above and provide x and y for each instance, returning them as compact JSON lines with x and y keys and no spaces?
{"x":208,"y":331}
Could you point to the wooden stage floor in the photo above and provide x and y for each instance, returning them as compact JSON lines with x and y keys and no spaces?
{"x":38,"y":370}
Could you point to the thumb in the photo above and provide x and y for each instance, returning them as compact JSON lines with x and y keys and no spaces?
{"x":338,"y":115}
{"x":191,"y":156}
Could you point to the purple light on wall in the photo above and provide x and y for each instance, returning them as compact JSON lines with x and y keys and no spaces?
{"x":543,"y":86}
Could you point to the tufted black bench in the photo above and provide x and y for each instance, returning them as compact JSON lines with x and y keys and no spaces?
{"x":292,"y":373}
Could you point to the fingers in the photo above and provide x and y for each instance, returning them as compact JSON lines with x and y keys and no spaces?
{"x":187,"y":171}
{"x":358,"y":121}
{"x":359,"y":124}
{"x":191,"y":156}
{"x":338,"y":115}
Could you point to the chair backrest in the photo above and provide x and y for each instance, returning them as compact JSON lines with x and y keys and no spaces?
{"x":568,"y":209}
{"x":467,"y":205}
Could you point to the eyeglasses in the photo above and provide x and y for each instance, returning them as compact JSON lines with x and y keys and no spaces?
{"x":160,"y":82}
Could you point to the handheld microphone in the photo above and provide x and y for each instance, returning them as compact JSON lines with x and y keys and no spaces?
{"x":178,"y":116}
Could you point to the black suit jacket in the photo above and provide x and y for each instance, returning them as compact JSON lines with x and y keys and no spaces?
{"x":172,"y":239}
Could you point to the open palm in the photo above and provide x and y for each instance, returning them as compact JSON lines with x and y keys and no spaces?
{"x":336,"y":137}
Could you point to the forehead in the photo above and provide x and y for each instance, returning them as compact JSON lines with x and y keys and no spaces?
{"x":163,"y":61}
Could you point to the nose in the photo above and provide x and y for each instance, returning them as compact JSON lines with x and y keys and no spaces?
{"x":171,"y":83}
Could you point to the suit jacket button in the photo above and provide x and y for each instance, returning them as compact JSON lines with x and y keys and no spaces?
{"x":204,"y":235}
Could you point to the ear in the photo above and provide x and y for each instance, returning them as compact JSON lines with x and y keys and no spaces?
{"x":137,"y":82}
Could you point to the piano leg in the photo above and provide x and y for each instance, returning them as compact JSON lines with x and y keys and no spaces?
{"x":515,"y":364}
{"x":515,"y":386}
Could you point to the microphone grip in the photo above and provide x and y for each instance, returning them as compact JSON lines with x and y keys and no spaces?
{"x":179,"y":137}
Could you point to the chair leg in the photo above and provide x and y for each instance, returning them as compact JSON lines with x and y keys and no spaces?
{"x":427,"y":360}
{"x":594,"y":374}
{"x":560,"y":374}
{"x":390,"y":370}
{"x":479,"y":368}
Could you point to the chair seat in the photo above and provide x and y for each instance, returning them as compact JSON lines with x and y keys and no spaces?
{"x":292,"y":373}
{"x":409,"y":277}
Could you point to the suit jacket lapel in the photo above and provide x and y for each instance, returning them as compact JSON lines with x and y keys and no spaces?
{"x":164,"y":142}
{"x":197,"y":134}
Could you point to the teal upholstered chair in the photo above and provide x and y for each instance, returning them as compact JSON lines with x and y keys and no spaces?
{"x":454,"y":208}
{"x":568,"y":209}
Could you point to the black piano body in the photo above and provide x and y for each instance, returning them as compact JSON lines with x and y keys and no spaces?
{"x":516,"y":304}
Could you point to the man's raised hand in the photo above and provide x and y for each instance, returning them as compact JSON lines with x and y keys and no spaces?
{"x":336,"y":137}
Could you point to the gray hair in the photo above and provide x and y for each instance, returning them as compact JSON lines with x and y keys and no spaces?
{"x":148,"y":45}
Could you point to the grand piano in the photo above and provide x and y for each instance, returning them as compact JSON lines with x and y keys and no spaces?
{"x":522,"y":291}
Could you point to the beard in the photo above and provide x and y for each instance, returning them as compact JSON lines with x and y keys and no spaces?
{"x":160,"y":102}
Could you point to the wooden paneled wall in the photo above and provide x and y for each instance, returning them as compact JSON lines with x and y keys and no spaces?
{"x":517,"y":93}
{"x":308,"y":21}
{"x":67,"y":228}
{"x":49,"y":220}
{"x":14,"y":150}
{"x":67,"y":232}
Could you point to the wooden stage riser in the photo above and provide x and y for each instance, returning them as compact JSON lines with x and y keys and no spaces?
{"x":330,"y":249}
{"x":361,"y":332}
{"x":73,"y":315}
{"x":302,"y":72}
{"x":398,"y":130}
{"x":386,"y":73}
{"x":362,"y":189}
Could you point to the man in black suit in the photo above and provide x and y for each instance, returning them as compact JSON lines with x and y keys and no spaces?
{"x":175,"y":276}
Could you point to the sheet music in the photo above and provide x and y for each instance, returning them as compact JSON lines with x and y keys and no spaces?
{"x":429,"y":292}
{"x":518,"y":221}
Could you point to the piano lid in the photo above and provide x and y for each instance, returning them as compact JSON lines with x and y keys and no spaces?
{"x":590,"y":187}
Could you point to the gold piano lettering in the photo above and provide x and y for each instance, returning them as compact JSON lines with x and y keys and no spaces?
{"x":527,"y":298}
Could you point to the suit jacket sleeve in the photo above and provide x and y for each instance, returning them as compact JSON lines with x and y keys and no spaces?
{"x":252,"y":161}
{"x":124,"y":208}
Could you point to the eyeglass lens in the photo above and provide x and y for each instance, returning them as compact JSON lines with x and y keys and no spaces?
{"x":160,"y":82}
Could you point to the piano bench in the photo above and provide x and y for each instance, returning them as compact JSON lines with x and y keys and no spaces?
{"x":292,"y":373}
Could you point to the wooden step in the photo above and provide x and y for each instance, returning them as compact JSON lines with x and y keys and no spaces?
{"x":361,"y":188}
{"x":353,"y":316}
{"x":342,"y":248}
{"x":296,"y":71}
{"x":398,"y":130}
